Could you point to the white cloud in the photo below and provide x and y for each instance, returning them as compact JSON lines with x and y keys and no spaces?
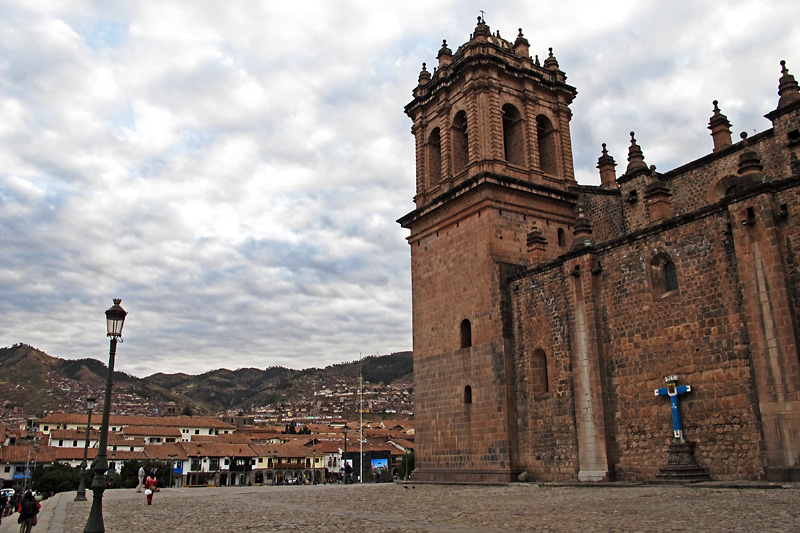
{"x":234,"y":171}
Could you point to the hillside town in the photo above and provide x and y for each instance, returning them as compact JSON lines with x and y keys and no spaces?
{"x":213,"y":451}
{"x":338,"y":400}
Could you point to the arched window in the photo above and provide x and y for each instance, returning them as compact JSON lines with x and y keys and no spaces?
{"x":467,"y":394}
{"x":547,"y":145}
{"x":512,"y":136}
{"x":670,"y":276}
{"x":540,"y":383}
{"x":663,"y":275}
{"x":460,"y":142}
{"x":466,"y":333}
{"x":435,"y":157}
{"x":562,"y":238}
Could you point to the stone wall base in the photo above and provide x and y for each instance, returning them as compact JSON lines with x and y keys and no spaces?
{"x":432,"y":475}
{"x":785,"y":474}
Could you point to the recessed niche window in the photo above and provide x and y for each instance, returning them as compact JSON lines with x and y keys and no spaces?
{"x":670,"y":276}
{"x":547,"y":145}
{"x":467,"y":394}
{"x":460,"y":142}
{"x":512,"y":135}
{"x":540,"y":383}
{"x":562,"y":238}
{"x":466,"y":333}
{"x":663,"y":275}
{"x":435,"y":157}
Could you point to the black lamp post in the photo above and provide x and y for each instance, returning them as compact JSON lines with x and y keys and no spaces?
{"x":344,"y":460}
{"x":115,"y":317}
{"x":172,"y":457}
{"x":33,"y":443}
{"x":81,"y":496}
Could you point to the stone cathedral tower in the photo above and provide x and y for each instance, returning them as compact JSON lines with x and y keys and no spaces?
{"x":494,"y":171}
{"x":547,"y":313}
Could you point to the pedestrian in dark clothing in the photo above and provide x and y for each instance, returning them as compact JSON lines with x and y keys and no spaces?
{"x":28,"y":509}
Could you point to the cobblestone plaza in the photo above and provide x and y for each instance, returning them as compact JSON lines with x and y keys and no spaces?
{"x":425,"y":508}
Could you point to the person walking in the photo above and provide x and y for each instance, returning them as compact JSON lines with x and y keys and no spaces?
{"x":141,"y":479}
{"x":28,"y":509}
{"x":150,"y":485}
{"x":3,"y":505}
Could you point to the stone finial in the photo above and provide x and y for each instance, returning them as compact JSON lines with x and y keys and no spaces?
{"x":536,"y":61}
{"x":522,"y":47}
{"x":749,"y":162}
{"x":482,"y":30}
{"x":606,"y":164}
{"x":720,"y":129}
{"x":582,"y":231}
{"x":658,"y":197}
{"x":424,"y":75}
{"x":551,"y":63}
{"x":787,"y":88}
{"x":537,"y":246}
{"x":445,"y":55}
{"x":635,"y":157}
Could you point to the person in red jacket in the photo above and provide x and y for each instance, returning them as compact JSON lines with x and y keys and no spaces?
{"x":150,"y":485}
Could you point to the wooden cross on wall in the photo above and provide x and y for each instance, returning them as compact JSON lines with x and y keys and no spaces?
{"x":674,"y":391}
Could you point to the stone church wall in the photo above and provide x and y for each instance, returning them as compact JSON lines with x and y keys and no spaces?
{"x":646,"y":334}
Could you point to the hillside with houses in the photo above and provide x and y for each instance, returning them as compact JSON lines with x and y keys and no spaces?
{"x":222,"y":428}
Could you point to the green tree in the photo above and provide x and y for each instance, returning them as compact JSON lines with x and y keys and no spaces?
{"x":55,"y":478}
{"x":406,"y":465}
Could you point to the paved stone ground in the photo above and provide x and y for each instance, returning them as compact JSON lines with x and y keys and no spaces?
{"x":424,"y":508}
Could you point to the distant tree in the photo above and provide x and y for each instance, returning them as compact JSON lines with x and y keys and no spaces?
{"x":406,"y":465}
{"x":187,"y":410}
{"x":55,"y":478}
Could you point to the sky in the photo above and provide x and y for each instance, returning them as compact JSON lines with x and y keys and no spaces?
{"x":233,"y":171}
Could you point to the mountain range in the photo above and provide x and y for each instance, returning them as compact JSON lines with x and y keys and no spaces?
{"x":32,"y":383}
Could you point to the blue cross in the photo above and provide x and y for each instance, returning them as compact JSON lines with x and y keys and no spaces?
{"x":673,"y":391}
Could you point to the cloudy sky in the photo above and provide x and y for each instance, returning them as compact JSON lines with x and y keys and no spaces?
{"x":233,"y":170}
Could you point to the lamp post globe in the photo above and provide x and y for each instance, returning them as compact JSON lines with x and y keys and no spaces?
{"x":81,"y":495}
{"x":115,"y":318}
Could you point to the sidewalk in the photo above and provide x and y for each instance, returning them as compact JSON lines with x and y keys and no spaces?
{"x":51,"y":515}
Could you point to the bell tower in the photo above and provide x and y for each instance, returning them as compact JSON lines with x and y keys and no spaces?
{"x":493,"y":197}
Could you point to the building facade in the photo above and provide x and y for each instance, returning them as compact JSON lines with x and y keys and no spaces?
{"x":547,"y":313}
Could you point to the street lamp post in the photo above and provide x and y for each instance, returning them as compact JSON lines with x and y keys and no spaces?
{"x":314,"y":465}
{"x":344,"y":460}
{"x":81,"y":496}
{"x":115,"y":318}
{"x":172,"y":457}
{"x":33,"y":443}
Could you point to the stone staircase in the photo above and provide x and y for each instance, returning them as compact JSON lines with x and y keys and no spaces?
{"x":681,"y":466}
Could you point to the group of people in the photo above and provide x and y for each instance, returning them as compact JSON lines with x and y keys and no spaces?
{"x":6,"y":505}
{"x":150,"y":484}
{"x":27,"y":507}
